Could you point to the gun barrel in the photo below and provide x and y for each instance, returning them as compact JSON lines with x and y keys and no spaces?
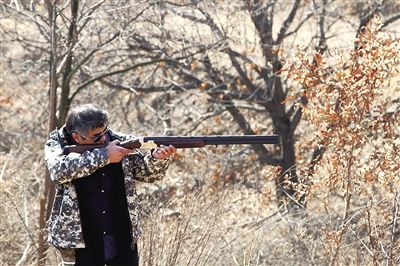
{"x":247,"y":139}
{"x":201,"y":141}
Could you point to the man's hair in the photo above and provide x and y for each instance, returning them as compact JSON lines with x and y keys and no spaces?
{"x":86,"y":117}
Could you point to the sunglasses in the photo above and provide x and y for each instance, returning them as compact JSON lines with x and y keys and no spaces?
{"x":97,"y":137}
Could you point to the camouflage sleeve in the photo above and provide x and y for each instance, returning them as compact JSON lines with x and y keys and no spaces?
{"x":65,"y":168}
{"x":146,"y":168}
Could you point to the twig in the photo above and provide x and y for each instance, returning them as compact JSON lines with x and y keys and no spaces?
{"x":346,"y":210}
{"x":4,"y":168}
{"x":235,"y":259}
{"x":24,"y":255}
{"x":394,"y":222}
{"x":21,"y":218}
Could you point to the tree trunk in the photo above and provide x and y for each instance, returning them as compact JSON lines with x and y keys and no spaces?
{"x":65,"y":100}
{"x":46,"y":199}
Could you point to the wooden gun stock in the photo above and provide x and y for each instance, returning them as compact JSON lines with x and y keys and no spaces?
{"x":180,"y":142}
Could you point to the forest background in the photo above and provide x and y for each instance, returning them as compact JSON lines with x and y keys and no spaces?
{"x":323,"y":74}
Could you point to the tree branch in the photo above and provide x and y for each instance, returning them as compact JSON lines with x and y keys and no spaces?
{"x":241,"y":72}
{"x":287,"y":22}
{"x":391,"y":20}
{"x":149,"y":89}
{"x":119,"y":71}
{"x":299,"y":25}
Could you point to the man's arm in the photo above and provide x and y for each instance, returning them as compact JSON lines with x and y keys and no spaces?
{"x":146,"y":168}
{"x":150,"y":167}
{"x":65,"y":168}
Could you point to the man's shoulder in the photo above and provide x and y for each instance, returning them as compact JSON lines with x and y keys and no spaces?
{"x":58,"y":136}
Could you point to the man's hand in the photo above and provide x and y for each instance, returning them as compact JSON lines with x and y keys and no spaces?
{"x":163,"y":151}
{"x":116,"y":153}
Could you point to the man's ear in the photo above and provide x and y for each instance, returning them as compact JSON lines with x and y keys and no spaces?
{"x":75,"y":137}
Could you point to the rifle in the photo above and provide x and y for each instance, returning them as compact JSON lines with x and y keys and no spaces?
{"x":179,"y":142}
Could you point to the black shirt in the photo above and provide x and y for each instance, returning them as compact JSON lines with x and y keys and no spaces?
{"x":104,"y":213}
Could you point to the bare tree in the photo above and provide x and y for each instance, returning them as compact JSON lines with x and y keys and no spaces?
{"x":241,"y":79}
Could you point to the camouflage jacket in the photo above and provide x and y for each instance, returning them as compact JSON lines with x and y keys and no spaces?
{"x":64,"y":226}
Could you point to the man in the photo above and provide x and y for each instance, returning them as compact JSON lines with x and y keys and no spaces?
{"x":95,"y":216}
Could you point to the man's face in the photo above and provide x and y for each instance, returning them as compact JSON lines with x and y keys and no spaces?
{"x":94,"y":136}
